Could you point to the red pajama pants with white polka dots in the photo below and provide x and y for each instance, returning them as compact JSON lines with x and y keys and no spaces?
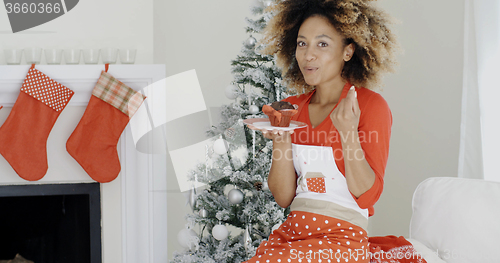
{"x":309,"y":237}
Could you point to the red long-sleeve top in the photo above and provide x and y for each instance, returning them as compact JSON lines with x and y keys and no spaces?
{"x":374,"y":132}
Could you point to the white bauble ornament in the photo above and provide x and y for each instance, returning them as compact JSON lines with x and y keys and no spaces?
{"x":231,"y":92}
{"x":220,"y":146}
{"x":235,"y":196}
{"x":220,"y":232}
{"x":253,"y":109}
{"x":203,"y":212}
{"x":187,"y":238}
{"x":250,"y":42}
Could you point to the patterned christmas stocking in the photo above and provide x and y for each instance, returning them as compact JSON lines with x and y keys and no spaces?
{"x":93,"y":142}
{"x":23,"y":136}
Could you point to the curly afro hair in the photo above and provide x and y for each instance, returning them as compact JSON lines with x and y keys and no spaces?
{"x":357,"y":20}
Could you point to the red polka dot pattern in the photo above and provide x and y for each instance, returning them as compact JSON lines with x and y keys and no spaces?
{"x":325,"y":239}
{"x":316,"y":185}
{"x":46,"y":90}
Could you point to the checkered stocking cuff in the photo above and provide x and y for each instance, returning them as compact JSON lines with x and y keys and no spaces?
{"x":117,"y":94}
{"x":46,"y":90}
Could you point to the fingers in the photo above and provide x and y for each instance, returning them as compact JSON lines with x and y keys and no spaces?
{"x":339,"y":111}
{"x":352,"y":94}
{"x":281,"y":132}
{"x":352,"y":101}
{"x":347,"y":108}
{"x":355,"y":107}
{"x":267,"y":132}
{"x":267,"y":135}
{"x":354,"y":98}
{"x":276,"y":134}
{"x":348,"y":104}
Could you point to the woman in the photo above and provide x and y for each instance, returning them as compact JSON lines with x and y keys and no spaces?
{"x":331,"y":172}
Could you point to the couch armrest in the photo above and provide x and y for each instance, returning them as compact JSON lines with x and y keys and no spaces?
{"x":459,"y":218}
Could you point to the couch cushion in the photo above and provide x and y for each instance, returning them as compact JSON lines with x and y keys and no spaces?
{"x":459,"y":218}
{"x":427,"y":254}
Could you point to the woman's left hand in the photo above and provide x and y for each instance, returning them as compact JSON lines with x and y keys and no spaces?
{"x":345,"y":117}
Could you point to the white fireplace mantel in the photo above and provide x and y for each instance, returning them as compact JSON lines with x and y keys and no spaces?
{"x":134,"y":206}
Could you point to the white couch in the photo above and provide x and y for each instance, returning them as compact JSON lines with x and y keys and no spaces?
{"x":456,"y":219}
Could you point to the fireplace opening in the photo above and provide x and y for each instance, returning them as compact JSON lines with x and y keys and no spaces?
{"x":51,"y":223}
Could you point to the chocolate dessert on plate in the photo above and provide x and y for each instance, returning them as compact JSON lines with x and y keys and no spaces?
{"x":280,"y":113}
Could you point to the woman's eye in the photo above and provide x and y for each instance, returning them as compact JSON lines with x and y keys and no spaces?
{"x":323,"y":44}
{"x":301,"y":43}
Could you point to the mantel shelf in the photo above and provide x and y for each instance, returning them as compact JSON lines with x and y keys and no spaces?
{"x":79,"y":78}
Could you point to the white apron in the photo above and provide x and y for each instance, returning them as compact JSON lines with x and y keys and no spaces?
{"x":322,"y":188}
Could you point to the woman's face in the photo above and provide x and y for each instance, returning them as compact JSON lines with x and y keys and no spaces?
{"x":320,"y":52}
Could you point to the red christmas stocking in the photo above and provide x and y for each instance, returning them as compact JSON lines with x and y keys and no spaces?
{"x":23,"y":136}
{"x":93,"y":142}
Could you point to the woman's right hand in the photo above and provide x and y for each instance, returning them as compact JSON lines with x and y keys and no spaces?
{"x":276,"y":135}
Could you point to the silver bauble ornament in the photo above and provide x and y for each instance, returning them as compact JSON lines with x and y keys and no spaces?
{"x":231,"y":92}
{"x":253,"y":109}
{"x":187,"y":238}
{"x":250,"y":42}
{"x":247,"y":240}
{"x":203,"y":213}
{"x":220,"y":146}
{"x":220,"y":232}
{"x":235,"y":196}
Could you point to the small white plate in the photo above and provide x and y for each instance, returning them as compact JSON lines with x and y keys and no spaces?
{"x":265,"y":124}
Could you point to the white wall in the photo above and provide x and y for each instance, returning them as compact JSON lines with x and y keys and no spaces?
{"x":206,"y":36}
{"x":424,"y":97}
{"x":90,"y":24}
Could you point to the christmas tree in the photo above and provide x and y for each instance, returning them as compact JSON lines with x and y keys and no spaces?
{"x":238,"y":163}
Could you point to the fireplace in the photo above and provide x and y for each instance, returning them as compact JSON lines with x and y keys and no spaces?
{"x":134,"y":206}
{"x":51,"y":223}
